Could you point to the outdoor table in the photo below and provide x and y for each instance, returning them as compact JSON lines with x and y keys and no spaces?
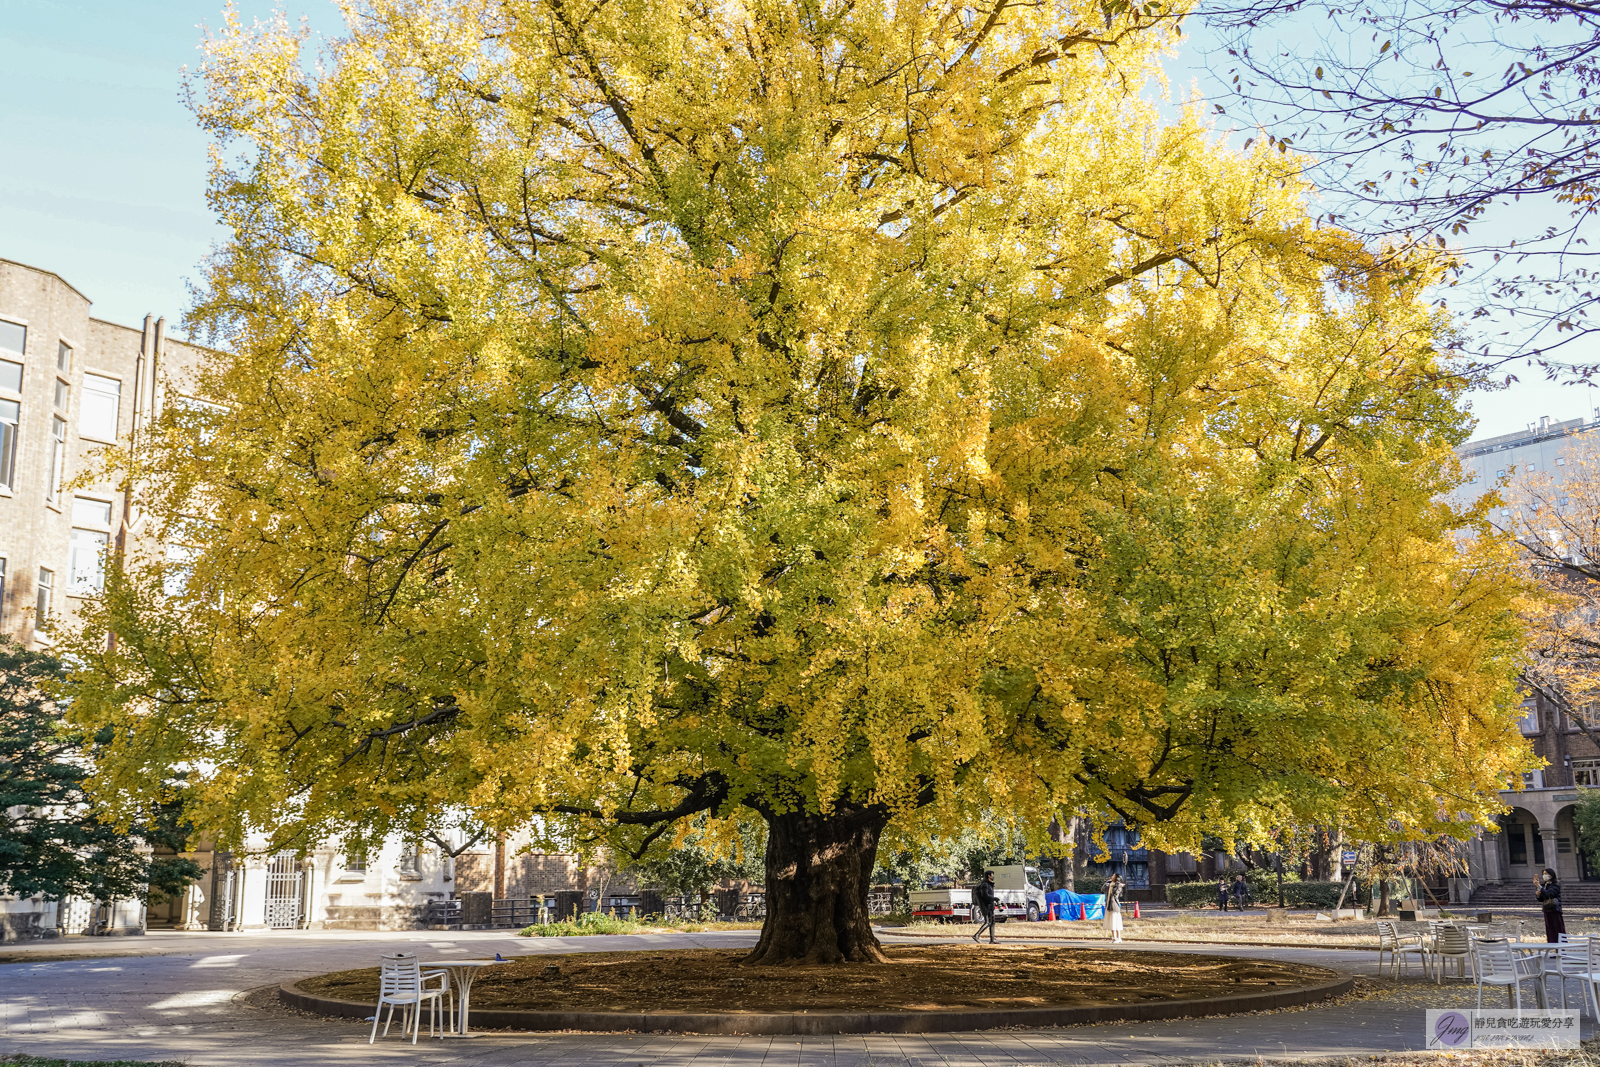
{"x":461,"y":972}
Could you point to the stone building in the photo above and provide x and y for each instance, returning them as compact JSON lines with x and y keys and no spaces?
{"x":70,"y":385}
{"x":387,"y":888}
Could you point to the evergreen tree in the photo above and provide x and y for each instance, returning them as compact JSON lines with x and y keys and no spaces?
{"x":53,"y":843}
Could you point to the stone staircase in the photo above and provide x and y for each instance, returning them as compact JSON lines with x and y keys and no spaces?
{"x":1520,"y":895}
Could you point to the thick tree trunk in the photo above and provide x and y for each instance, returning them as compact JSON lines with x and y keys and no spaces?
{"x":819,"y":870}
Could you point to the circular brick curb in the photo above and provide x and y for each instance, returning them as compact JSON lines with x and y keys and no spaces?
{"x":1024,"y":939}
{"x":864,"y":1022}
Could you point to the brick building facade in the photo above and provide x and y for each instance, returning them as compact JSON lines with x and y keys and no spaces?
{"x":70,"y":385}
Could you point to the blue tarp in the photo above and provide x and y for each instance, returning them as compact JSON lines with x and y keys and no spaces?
{"x":1065,"y":904}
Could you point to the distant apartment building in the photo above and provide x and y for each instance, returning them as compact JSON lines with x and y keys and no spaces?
{"x":70,"y":385}
{"x":1544,"y":447}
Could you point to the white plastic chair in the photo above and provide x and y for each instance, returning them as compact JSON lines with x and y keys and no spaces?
{"x":402,"y":983}
{"x":1497,"y":965}
{"x":1399,"y":946}
{"x":1579,"y":958}
{"x":1450,"y":943}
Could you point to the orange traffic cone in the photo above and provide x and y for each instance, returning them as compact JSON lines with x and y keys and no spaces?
{"x":1136,"y":909}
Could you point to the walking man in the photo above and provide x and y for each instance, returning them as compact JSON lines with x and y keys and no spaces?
{"x":983,"y":896}
{"x":1241,"y":891}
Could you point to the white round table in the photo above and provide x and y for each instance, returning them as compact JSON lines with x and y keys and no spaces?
{"x":461,"y":973}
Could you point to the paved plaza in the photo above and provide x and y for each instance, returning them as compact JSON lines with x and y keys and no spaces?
{"x":205,"y":999}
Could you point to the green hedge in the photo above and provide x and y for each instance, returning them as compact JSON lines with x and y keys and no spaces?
{"x":1315,"y":894}
{"x":1295,"y":894}
{"x":1191,"y":894}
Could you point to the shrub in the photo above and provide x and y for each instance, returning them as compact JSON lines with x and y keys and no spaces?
{"x":587,"y":923}
{"x":1314,"y":894}
{"x":1295,"y":893}
{"x":1191,"y":894}
{"x":1264,"y":884}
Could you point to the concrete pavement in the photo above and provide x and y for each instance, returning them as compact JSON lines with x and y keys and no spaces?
{"x":190,"y":997}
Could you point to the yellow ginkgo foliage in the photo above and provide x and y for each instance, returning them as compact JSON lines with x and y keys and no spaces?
{"x":843,"y":413}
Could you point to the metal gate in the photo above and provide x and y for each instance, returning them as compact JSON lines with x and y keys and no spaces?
{"x":283,"y":892}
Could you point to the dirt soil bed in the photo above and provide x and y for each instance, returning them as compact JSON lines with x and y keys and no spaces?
{"x":932,"y":978}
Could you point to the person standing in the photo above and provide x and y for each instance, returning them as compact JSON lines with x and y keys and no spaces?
{"x":984,"y":897}
{"x":1549,"y":894}
{"x":1241,"y":891}
{"x":1114,"y":908}
{"x":1222,"y":893}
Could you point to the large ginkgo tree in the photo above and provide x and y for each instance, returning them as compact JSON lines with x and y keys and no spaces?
{"x":857,"y":415}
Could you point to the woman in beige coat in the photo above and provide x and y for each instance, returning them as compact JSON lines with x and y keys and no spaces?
{"x":1114,"y":908}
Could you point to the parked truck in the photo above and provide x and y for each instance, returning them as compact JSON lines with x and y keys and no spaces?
{"x":1018,"y":890}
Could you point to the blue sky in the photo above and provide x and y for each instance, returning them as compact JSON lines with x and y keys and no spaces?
{"x":104,"y":171}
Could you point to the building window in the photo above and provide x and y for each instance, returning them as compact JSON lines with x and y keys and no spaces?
{"x":44,"y":602}
{"x":1517,"y":844}
{"x":180,"y":565}
{"x":2,"y":590}
{"x":102,"y":401}
{"x":13,"y":337}
{"x":410,"y":856}
{"x":1586,"y":772}
{"x":88,"y":546}
{"x":10,"y":415}
{"x":1561,"y":462}
{"x":355,"y":863}
{"x":63,"y":394}
{"x":88,"y":562}
{"x":89,"y":512}
{"x":1530,"y":721}
{"x":10,"y":376}
{"x":58,"y":457}
{"x":64,"y":358}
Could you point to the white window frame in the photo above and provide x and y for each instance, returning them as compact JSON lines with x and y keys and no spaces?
{"x":353,"y":867}
{"x":93,"y":527}
{"x":58,"y":458}
{"x":82,"y":579}
{"x":63,"y":345}
{"x":44,"y":600}
{"x":10,"y":431}
{"x":89,"y":407}
{"x":8,"y":320}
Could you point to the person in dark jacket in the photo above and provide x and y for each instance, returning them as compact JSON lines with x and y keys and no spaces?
{"x":1549,"y":894}
{"x":1222,"y":894}
{"x":1241,"y":891}
{"x":984,"y":897}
